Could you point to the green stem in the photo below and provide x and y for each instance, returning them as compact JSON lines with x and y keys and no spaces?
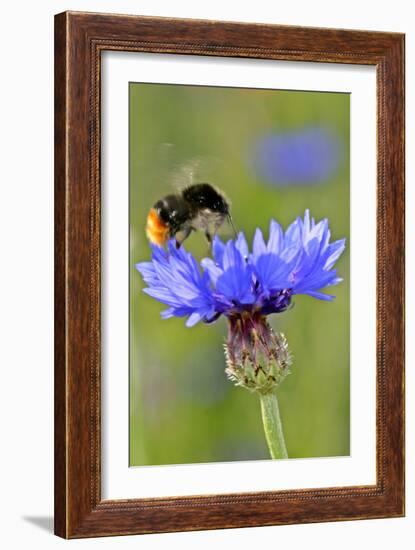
{"x":272,"y":425}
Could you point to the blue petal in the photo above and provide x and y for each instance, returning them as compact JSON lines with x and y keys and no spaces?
{"x":167,"y":313}
{"x":235,"y":283}
{"x":258,"y":246}
{"x":147,"y":271}
{"x":276,"y":238}
{"x":236,"y":286}
{"x":335,"y":250}
{"x":218,"y":248}
{"x":318,"y":280}
{"x":194,"y":318}
{"x":272,"y":273}
{"x":306,"y":223}
{"x":163,"y":295}
{"x":232,"y":256}
{"x":159,"y":254}
{"x":242,"y":245}
{"x":292,"y":235}
{"x":212,"y":269}
{"x":320,"y":295}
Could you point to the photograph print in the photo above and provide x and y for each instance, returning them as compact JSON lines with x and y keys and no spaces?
{"x":239,"y":274}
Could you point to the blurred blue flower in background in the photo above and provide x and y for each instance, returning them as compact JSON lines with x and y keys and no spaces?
{"x":297,"y":261}
{"x":302,"y":157}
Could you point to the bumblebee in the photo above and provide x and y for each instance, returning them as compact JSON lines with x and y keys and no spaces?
{"x":198,"y":207}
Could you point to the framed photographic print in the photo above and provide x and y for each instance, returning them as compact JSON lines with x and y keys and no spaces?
{"x":229,"y":276}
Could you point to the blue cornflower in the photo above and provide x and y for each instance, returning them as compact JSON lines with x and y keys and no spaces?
{"x":297,"y":261}
{"x":301,"y":157}
{"x":245,"y":287}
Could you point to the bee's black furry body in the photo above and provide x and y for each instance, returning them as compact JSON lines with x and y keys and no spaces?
{"x":199,"y":207}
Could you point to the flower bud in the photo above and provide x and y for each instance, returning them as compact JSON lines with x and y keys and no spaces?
{"x":257,"y":358}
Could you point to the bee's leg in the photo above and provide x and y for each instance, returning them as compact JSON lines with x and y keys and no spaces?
{"x":211,"y":231}
{"x":209,"y":239}
{"x":181,"y":236}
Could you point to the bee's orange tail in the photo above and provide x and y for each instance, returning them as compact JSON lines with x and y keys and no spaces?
{"x":157,"y":231}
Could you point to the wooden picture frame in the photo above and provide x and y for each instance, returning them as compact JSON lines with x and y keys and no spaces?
{"x":79,"y":40}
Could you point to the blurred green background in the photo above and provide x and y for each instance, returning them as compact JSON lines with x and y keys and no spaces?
{"x":182,"y":407}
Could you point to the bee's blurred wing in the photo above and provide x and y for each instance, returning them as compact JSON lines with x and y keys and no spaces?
{"x":194,"y":170}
